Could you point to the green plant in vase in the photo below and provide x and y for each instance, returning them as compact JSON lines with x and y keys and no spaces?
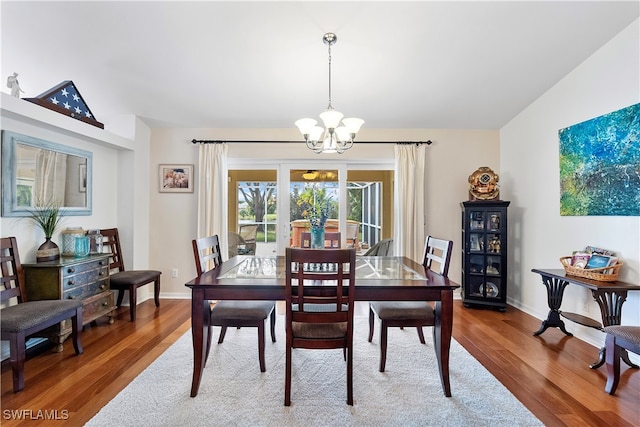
{"x":47,"y":216}
{"x":317,"y":209}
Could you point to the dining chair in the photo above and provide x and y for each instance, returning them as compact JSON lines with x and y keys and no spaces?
{"x":127,"y":280}
{"x":353,"y":229}
{"x":249,"y":233}
{"x":225,"y":313}
{"x":319,"y":316}
{"x":331,"y":240}
{"x":437,"y":256}
{"x":382,"y":248}
{"x":23,"y":318}
{"x":618,"y":338}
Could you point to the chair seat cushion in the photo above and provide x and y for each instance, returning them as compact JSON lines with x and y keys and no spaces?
{"x":319,"y":330}
{"x":242,"y":310}
{"x":403,"y":310}
{"x":630,"y":334}
{"x":124,"y":279}
{"x":26,"y":315}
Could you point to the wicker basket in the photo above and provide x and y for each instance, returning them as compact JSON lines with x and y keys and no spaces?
{"x":599,"y":274}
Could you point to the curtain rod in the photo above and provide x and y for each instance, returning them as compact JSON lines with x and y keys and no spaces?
{"x":219,"y":141}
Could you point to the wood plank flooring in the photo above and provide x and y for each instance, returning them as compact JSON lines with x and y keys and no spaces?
{"x":548,"y":374}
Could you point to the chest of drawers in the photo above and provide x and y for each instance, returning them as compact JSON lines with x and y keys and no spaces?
{"x":85,"y":278}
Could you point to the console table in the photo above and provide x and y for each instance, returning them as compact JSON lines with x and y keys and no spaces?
{"x":609,"y":295}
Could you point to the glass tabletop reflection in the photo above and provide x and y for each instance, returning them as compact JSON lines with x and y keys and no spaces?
{"x":383,"y":268}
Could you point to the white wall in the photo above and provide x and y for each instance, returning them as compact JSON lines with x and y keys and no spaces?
{"x":529,"y":163}
{"x":452,"y":157}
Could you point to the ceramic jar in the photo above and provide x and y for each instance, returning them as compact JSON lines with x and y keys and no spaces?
{"x":68,"y":238}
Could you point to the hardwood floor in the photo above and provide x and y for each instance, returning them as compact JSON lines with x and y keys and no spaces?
{"x":548,"y":374}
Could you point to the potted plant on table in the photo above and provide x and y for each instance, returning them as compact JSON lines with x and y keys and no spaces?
{"x":47,"y":216}
{"x":317,"y":208}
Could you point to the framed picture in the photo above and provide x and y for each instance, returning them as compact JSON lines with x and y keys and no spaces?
{"x":176,"y":178}
{"x":82,"y":178}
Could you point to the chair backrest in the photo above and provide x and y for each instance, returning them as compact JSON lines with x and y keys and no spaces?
{"x":249,"y":232}
{"x":111,"y":241}
{"x":233,"y":241}
{"x":12,"y":274}
{"x":382,"y":248}
{"x":353,"y":229}
{"x":438,"y":250}
{"x":206,"y":253}
{"x":317,"y":277}
{"x":331,"y":239}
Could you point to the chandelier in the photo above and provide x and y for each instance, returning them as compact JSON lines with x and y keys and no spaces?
{"x":338,"y":133}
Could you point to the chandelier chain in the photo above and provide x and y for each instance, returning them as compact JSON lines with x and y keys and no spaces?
{"x":330,"y":107}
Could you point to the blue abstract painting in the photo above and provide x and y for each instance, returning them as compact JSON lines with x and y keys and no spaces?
{"x":600,"y":165}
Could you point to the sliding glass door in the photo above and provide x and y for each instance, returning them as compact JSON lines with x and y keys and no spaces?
{"x":276,"y":204}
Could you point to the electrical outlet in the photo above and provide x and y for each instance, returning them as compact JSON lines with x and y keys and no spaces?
{"x":174,"y":273}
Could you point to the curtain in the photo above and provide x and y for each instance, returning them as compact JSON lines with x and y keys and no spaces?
{"x":49,"y":184}
{"x":409,"y":227}
{"x":212,"y":193}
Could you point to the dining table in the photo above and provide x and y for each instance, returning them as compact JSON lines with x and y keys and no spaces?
{"x":392,"y":278}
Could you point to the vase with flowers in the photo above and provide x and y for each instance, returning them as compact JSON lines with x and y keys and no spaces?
{"x":47,"y":216}
{"x":317,"y":208}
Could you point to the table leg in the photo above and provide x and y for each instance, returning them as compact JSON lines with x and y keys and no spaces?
{"x":555,"y":290}
{"x":610,"y":303}
{"x":442,"y":337}
{"x":199,"y":330}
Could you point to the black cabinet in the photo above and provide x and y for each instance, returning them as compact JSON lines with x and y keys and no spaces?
{"x":484,"y":253}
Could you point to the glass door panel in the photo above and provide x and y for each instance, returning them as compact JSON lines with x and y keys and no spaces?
{"x":253,"y":218}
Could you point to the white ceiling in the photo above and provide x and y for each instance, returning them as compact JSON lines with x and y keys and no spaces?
{"x":445,"y":64}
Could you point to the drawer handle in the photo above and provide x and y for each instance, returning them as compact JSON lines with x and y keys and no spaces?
{"x":105,"y":304}
{"x":103,"y":286}
{"x":103,"y":262}
{"x":71,"y":282}
{"x":71,"y":270}
{"x":71,"y":297}
{"x":102,"y":273}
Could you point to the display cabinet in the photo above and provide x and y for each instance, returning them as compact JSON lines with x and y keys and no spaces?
{"x":484,"y":253}
{"x":85,"y":278}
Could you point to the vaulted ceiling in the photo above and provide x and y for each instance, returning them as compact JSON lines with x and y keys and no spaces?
{"x":263,"y":64}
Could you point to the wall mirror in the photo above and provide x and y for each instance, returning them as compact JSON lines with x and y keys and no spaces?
{"x":38,"y":171}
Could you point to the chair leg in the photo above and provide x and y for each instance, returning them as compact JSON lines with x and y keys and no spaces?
{"x":17,"y":351}
{"x":350,"y":375}
{"x":120,"y":298}
{"x":613,"y":364}
{"x":76,"y":328}
{"x":420,"y":334}
{"x":273,"y":325}
{"x":223,"y":332}
{"x":371,"y":323}
{"x":156,"y":292}
{"x":287,"y":376}
{"x":383,"y":345}
{"x":263,"y":367}
{"x":133,"y":302}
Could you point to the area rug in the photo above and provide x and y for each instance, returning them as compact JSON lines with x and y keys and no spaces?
{"x":234,"y":392}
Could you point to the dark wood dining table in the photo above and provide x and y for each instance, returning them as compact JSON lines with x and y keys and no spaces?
{"x":377,"y":279}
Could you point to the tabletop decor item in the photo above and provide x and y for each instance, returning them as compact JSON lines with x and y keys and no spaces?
{"x":483,"y":184}
{"x":47,"y":216}
{"x":68,"y":237}
{"x":593,"y":263}
{"x":317,"y":208}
